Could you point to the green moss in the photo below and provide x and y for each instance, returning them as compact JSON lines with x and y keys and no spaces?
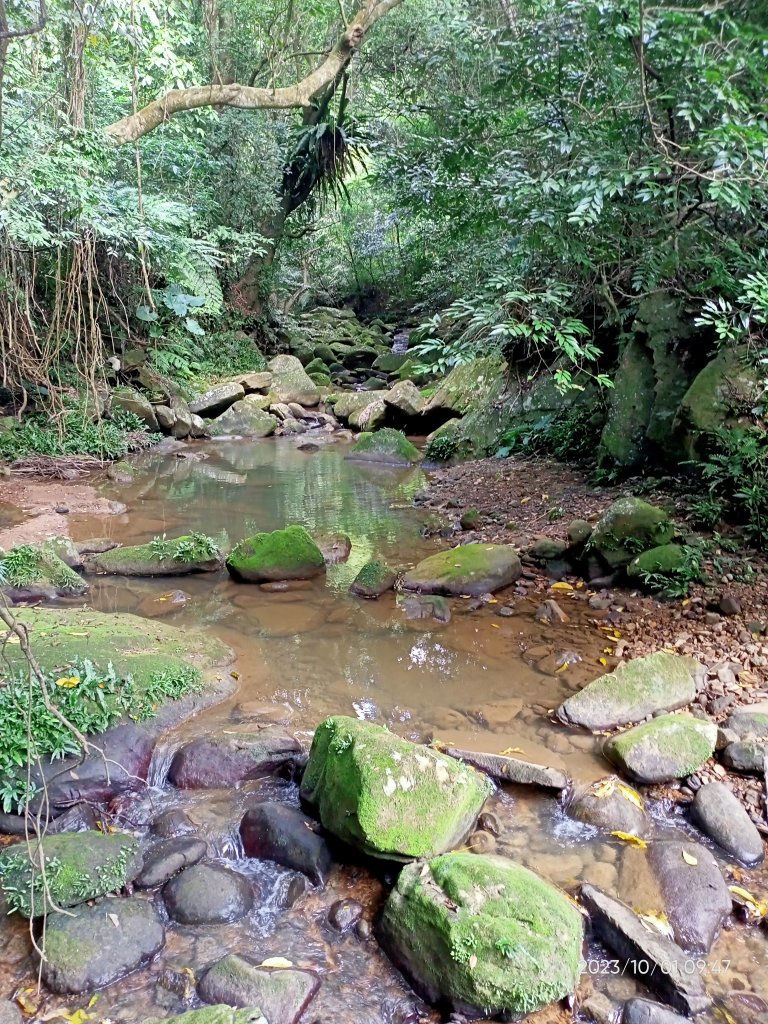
{"x":214,"y":1015}
{"x":667,"y":559}
{"x":374,"y":579}
{"x":26,"y":565}
{"x":387,"y":796}
{"x":629,"y":527}
{"x":467,"y":569}
{"x":281,"y":555}
{"x":623,"y":441}
{"x":321,"y":379}
{"x":470,"y":519}
{"x":668,"y":747}
{"x":386,"y":445}
{"x":390,"y":362}
{"x":485,"y":933}
{"x":162,"y":557}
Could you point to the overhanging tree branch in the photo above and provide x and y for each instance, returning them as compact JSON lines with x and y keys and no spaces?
{"x":301,"y":94}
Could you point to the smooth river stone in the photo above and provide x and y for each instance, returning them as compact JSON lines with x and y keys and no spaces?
{"x":721,"y":815}
{"x":666,"y":748}
{"x":208,"y":894}
{"x":282,"y":994}
{"x":221,"y":761}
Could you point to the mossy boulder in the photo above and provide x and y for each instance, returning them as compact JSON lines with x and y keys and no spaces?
{"x":217,"y":400}
{"x":360,"y":357}
{"x":247,"y":417}
{"x":469,"y":569}
{"x":291,"y":383}
{"x":638,"y":688}
{"x":466,"y":386}
{"x":390,"y":362}
{"x":288,"y":554}
{"x":178,"y":556}
{"x":386,"y":796}
{"x":666,"y":748}
{"x":282,"y":993}
{"x":316,"y":366}
{"x":29,"y":572}
{"x":79,"y":866}
{"x":388,"y":446}
{"x":406,"y":399}
{"x":128,"y":400}
{"x":369,"y":417}
{"x":220,"y":1014}
{"x":483,"y":936}
{"x":322,"y":380}
{"x":629,"y":527}
{"x":325,"y":354}
{"x":623,"y":441}
{"x":665,"y":560}
{"x":348,"y":402}
{"x":374,"y":579}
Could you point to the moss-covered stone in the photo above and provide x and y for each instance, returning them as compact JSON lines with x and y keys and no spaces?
{"x":324,"y":353}
{"x":316,"y":366}
{"x":374,"y":579}
{"x":38,"y":572}
{"x":322,"y":380}
{"x":623,"y":441}
{"x":390,"y":362}
{"x":220,"y":1014}
{"x":546,"y":549}
{"x":469,"y":569}
{"x":288,"y":554}
{"x":638,"y":688}
{"x":666,"y":748}
{"x":348,"y":402}
{"x":247,"y":417}
{"x":665,"y":560}
{"x":470,"y":519}
{"x":662,"y":319}
{"x":406,"y":399}
{"x":389,"y":446}
{"x":291,"y":383}
{"x":129,"y":400}
{"x":466,"y":386}
{"x":78,"y":867}
{"x":387,"y":796}
{"x":629,"y":527}
{"x":369,"y":417}
{"x":483,"y":935}
{"x":177,"y":556}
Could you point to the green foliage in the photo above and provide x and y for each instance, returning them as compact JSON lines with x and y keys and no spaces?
{"x":736,"y":471}
{"x":441,"y":448}
{"x":676,"y":582}
{"x":76,"y":434}
{"x":197,"y":547}
{"x":572,"y":435}
{"x":24,"y":565}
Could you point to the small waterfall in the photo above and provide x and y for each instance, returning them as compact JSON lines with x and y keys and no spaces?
{"x":400,"y":342}
{"x":160,"y":765}
{"x":227,"y":845}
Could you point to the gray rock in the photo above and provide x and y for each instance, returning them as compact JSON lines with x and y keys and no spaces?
{"x":197,"y":426}
{"x":93,"y":946}
{"x":695,"y":896}
{"x":721,"y":816}
{"x":425,"y":607}
{"x":165,"y":418}
{"x":246,"y":417}
{"x":666,"y":748}
{"x":406,"y":398}
{"x":747,"y":756}
{"x":182,"y":418}
{"x":132,"y":401}
{"x":9,"y":1012}
{"x":344,"y":915}
{"x":223,"y":761}
{"x":612,"y":806}
{"x":291,"y":383}
{"x":637,"y":689}
{"x":163,"y":860}
{"x":643,"y":1011}
{"x":272,"y":831}
{"x":511,"y":769}
{"x":473,"y":569}
{"x":258,"y":381}
{"x":282,"y":994}
{"x":208,"y":894}
{"x":750,"y":722}
{"x":173,"y":823}
{"x":619,"y":927}
{"x":217,"y":400}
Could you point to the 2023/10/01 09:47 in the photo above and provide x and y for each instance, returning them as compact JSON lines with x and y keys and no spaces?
{"x":642,"y":967}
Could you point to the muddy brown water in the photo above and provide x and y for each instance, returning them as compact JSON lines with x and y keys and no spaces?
{"x":481,"y":679}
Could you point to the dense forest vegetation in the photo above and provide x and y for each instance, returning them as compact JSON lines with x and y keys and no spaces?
{"x":183,"y":180}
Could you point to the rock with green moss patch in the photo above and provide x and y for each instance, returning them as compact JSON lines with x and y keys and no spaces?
{"x":388,"y":446}
{"x":128,"y":400}
{"x":666,"y":560}
{"x":370,"y":416}
{"x":623,"y":442}
{"x":374,"y":579}
{"x":483,"y":936}
{"x":248,"y":417}
{"x":96,"y":945}
{"x":547,"y":549}
{"x":638,"y":688}
{"x":288,"y":554}
{"x":78,"y":867}
{"x":349,"y":402}
{"x":666,"y":748}
{"x":177,"y":556}
{"x":283,"y":994}
{"x":386,"y":796}
{"x":470,"y":519}
{"x":466,"y":386}
{"x":291,"y":383}
{"x":37,"y":573}
{"x":469,"y":569}
{"x":325,"y":354}
{"x":406,"y":399}
{"x":390,"y":362}
{"x":627,"y":528}
{"x":322,"y":380}
{"x":215,"y":1015}
{"x":316,"y":366}
{"x":217,"y":400}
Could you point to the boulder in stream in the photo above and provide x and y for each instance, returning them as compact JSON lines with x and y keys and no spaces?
{"x":406,"y":399}
{"x":666,"y":748}
{"x":278,"y":832}
{"x":227,"y":760}
{"x":165,"y":859}
{"x":289,"y":554}
{"x":721,"y":816}
{"x":282,"y":993}
{"x":474,"y":569}
{"x":95,"y":945}
{"x":215,"y":1015}
{"x":483,"y":935}
{"x":177,"y":556}
{"x":637,"y":688}
{"x":208,"y":894}
{"x":610,"y":805}
{"x":387,"y":446}
{"x":374,"y":579}
{"x":217,"y":400}
{"x":291,"y":383}
{"x":386,"y":796}
{"x":644,"y":1011}
{"x":247,"y":417}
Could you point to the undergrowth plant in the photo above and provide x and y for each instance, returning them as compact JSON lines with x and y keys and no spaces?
{"x":196,"y":547}
{"x":736,"y":471}
{"x":76,"y":433}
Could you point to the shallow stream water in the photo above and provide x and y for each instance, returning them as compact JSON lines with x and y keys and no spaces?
{"x":481,"y":680}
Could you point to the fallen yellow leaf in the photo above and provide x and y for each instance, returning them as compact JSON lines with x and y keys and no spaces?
{"x":605,"y":789}
{"x":630,"y":794}
{"x":561,"y":585}
{"x":603,"y":661}
{"x":659,"y":922}
{"x":511,"y":750}
{"x":563,"y":667}
{"x":627,"y":837}
{"x":689,"y":858}
{"x":277,"y":961}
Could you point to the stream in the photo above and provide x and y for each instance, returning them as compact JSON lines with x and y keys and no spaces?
{"x":313,"y":651}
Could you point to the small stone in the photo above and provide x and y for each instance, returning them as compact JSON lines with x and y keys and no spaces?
{"x":344,"y":915}
{"x":643,"y":1011}
{"x":720,"y":815}
{"x":505,"y":611}
{"x":730,"y":605}
{"x":167,"y":858}
{"x":552,"y":613}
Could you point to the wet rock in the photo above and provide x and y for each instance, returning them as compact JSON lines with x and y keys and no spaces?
{"x":344,"y":915}
{"x":511,"y":769}
{"x":628,"y":525}
{"x":600,"y":1009}
{"x":93,"y":946}
{"x":173,"y":823}
{"x":272,"y":831}
{"x":750,"y":722}
{"x":291,"y":383}
{"x":386,"y":796}
{"x":163,"y":860}
{"x":474,"y":569}
{"x":217,"y":400}
{"x":79,"y":818}
{"x":246,"y":417}
{"x":46,"y":577}
{"x":336,"y":547}
{"x":643,"y":1011}
{"x":721,"y":816}
{"x":420,"y":607}
{"x":666,"y":748}
{"x":165,"y":604}
{"x":748,"y":756}
{"x":79,"y":866}
{"x":165,"y":418}
{"x":482,"y":935}
{"x":182,"y":418}
{"x":208,"y":894}
{"x":221,"y":761}
{"x":215,"y":1015}
{"x":387,"y":446}
{"x":374,"y":579}
{"x":179,"y":556}
{"x":406,"y":398}
{"x":282,"y":994}
{"x":252,"y":382}
{"x":612,"y":806}
{"x":95,"y":546}
{"x":9,"y":1013}
{"x":289,"y":554}
{"x":552,"y":613}
{"x":638,"y":688}
{"x":470,"y":519}
{"x":620,"y":928}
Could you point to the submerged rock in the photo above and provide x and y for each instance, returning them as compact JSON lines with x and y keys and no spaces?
{"x":388,"y":446}
{"x":611,"y":805}
{"x":288,"y":554}
{"x":93,"y":946}
{"x":282,"y":994}
{"x":638,"y":688}
{"x":177,"y":556}
{"x":643,"y":1011}
{"x":374,"y":579}
{"x":387,"y":796}
{"x":272,"y":831}
{"x":666,"y":748}
{"x":247,"y":417}
{"x":483,"y":935}
{"x":208,"y":894}
{"x":215,"y":1015}
{"x":474,"y":569}
{"x":628,"y":527}
{"x":509,"y":769}
{"x":721,"y":816}
{"x":222,"y":761}
{"x":79,"y":866}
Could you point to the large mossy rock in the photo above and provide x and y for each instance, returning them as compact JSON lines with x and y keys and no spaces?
{"x":638,"y":688}
{"x":247,"y":417}
{"x":96,"y":945}
{"x":283,"y":994}
{"x":387,"y":446}
{"x":628,"y":527}
{"x":178,"y":556}
{"x":667,"y":561}
{"x":38,"y":573}
{"x":466,"y":386}
{"x":290,"y":381}
{"x":483,"y":936}
{"x":624,"y":439}
{"x":78,"y":867}
{"x":386,"y":796}
{"x":406,"y":399}
{"x":369,"y":417}
{"x":288,"y":554}
{"x":347,"y":403}
{"x":469,"y":569}
{"x":220,"y":1014}
{"x":666,"y":748}
{"x":217,"y":400}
